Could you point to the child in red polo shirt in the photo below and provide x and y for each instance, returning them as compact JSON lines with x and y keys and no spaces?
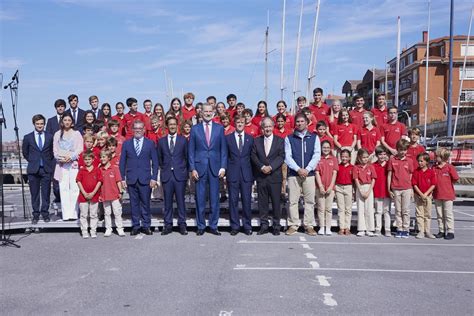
{"x":111,"y":193}
{"x":368,"y":136}
{"x":326,"y":173}
{"x":281,"y":128}
{"x":89,"y":141}
{"x":400,"y":170}
{"x":392,"y":131}
{"x":345,"y":134}
{"x":89,"y":181}
{"x":381,"y":195}
{"x":424,"y":181}
{"x":444,"y":195}
{"x":364,"y":177}
{"x":114,"y":128}
{"x":344,"y":193}
{"x":132,"y":116}
{"x":112,"y":147}
{"x":322,"y":131}
{"x":250,"y":128}
{"x":415,"y":148}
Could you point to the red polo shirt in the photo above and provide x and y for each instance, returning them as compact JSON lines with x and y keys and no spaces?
{"x":285,"y":132}
{"x":423,"y":179}
{"x":402,"y":170}
{"x":345,"y":134}
{"x":146,"y":120}
{"x":380,"y":186}
{"x":357,"y":117}
{"x":369,"y":138}
{"x":364,"y":174}
{"x":120,"y":139}
{"x":393,"y":133}
{"x":413,"y":152}
{"x":320,"y":113}
{"x":110,"y":177}
{"x":257,"y":119}
{"x":252,"y":130}
{"x":216,"y":119}
{"x":121,"y":121}
{"x":231,"y":111}
{"x":381,"y":116}
{"x":328,"y":138}
{"x":344,"y":175}
{"x":188,"y":113}
{"x":290,"y":121}
{"x":445,"y":177}
{"x":230,"y":129}
{"x":128,"y":121}
{"x":325,"y":168}
{"x":95,"y":161}
{"x":89,"y":180}
{"x":115,"y":160}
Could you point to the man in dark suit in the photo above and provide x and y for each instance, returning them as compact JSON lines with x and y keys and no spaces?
{"x":52,"y":127}
{"x":94,"y":103}
{"x":76,"y":112}
{"x":37,"y":148}
{"x":139,"y":176}
{"x":173,"y":161}
{"x":207,"y":161}
{"x":268,"y":155}
{"x":239,"y":176}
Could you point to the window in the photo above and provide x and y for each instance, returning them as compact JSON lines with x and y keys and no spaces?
{"x":469,"y":73}
{"x":402,"y":63}
{"x":382,"y":87}
{"x":410,"y":59}
{"x":467,"y":96}
{"x":470,"y":50}
{"x":415,"y":76}
{"x":414,"y":97}
{"x":442,"y":51}
{"x":390,"y":86}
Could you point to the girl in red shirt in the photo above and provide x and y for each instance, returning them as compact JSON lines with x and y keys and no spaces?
{"x":225,"y":121}
{"x":333,"y":116}
{"x":220,"y":110}
{"x":106,"y":113}
{"x":120,"y":116}
{"x":326,"y":172}
{"x":322,"y":130}
{"x":281,"y":129}
{"x":381,"y":194}
{"x":345,"y":136}
{"x":159,"y":112}
{"x":364,"y":177}
{"x":368,"y":136}
{"x":186,"y":129}
{"x":262,"y":111}
{"x":281,"y":109}
{"x":344,"y":193}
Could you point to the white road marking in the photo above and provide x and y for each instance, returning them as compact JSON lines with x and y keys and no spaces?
{"x":328,"y":300}
{"x":314,"y":264}
{"x":306,"y":246}
{"x":302,"y":239}
{"x":356,"y":270}
{"x":401,"y":243}
{"x":470,"y":215}
{"x":225,"y":313}
{"x":240,"y":266}
{"x":323,"y":280}
{"x":310,"y":256}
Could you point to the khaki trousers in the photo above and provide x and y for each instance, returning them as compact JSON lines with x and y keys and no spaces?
{"x":382,"y":210}
{"x":324,"y":202}
{"x":344,"y":205}
{"x":402,"y":209}
{"x":365,"y":210}
{"x":89,"y":209}
{"x":113,"y":207}
{"x":423,"y":213}
{"x":445,"y":216}
{"x":296,"y":187}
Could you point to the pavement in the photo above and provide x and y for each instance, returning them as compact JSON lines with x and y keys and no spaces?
{"x":57,"y":272}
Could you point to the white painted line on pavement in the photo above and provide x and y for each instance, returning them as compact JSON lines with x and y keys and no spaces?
{"x":356,"y":270}
{"x":306,"y":246}
{"x":401,"y":243}
{"x":302,"y":239}
{"x":470,"y":215}
{"x":310,"y":256}
{"x":328,"y":300}
{"x":323,"y":280}
{"x":314,"y":264}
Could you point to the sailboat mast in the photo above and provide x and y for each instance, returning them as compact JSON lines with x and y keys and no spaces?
{"x":282,"y":88}
{"x":266,"y":57}
{"x":312,"y":57}
{"x":397,"y":71}
{"x":295,"y":79}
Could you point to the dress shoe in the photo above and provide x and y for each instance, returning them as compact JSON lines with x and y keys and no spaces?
{"x":34,"y":221}
{"x":47,"y":220}
{"x":223,"y":198}
{"x":147,"y":231}
{"x":439,"y":235}
{"x":183,"y":231}
{"x":215,"y":232}
{"x":166,"y":231}
{"x":449,"y":236}
{"x":276,"y":232}
{"x":200,"y":232}
{"x":234,"y":232}
{"x":134,"y":232}
{"x":248,"y":232}
{"x":263,"y":231}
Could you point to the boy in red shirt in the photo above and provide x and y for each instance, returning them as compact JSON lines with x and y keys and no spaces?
{"x":326,"y":172}
{"x":400,"y":170}
{"x":319,"y":108}
{"x":444,"y":195}
{"x":132,"y":116}
{"x":424,"y":181}
{"x":89,"y":141}
{"x":344,"y":193}
{"x":114,"y":131}
{"x":111,"y":193}
{"x":89,"y":181}
{"x":250,"y":128}
{"x":188,"y":109}
{"x":115,"y":154}
{"x":358,"y":112}
{"x":322,"y":131}
{"x":281,"y":127}
{"x":380,"y":110}
{"x":415,"y":148}
{"x":147,"y":105}
{"x":381,"y":195}
{"x":232,"y":102}
{"x":393,"y":131}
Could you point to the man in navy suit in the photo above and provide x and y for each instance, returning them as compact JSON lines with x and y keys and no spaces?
{"x":207,"y":162}
{"x":37,"y":149}
{"x":94,"y":103}
{"x":239,"y":176}
{"x":173,"y":161}
{"x":268,"y":155}
{"x":139,"y":176}
{"x":52,"y":127}
{"x":76,"y":112}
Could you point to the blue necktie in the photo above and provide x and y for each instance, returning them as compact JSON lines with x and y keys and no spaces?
{"x":40,"y":146}
{"x":137,"y":146}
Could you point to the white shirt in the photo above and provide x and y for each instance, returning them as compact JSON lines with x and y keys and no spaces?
{"x":237,"y":138}
{"x":267,"y":140}
{"x":174,"y":139}
{"x":140,"y":143}
{"x":59,"y":118}
{"x":42,"y":138}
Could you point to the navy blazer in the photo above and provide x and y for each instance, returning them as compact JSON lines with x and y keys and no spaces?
{"x":33,"y":154}
{"x":202,"y":156}
{"x":275,"y":159}
{"x":80,"y":118}
{"x":238,"y":164}
{"x":173,"y":163}
{"x":52,"y":126}
{"x":141,"y":168}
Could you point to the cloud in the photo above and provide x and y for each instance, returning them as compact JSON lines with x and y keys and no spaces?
{"x":134,"y":28}
{"x":11,"y":63}
{"x":8,"y":15}
{"x":99,"y":50}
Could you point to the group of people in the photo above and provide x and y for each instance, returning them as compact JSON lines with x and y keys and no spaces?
{"x":213,"y":152}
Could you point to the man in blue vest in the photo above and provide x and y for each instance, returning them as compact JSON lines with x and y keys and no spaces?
{"x":302,"y":154}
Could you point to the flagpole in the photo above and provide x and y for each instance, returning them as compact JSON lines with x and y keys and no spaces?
{"x":282,"y":88}
{"x":397,"y":71}
{"x":427,"y":71}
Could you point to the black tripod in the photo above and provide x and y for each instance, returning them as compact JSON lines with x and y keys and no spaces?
{"x":5,"y":240}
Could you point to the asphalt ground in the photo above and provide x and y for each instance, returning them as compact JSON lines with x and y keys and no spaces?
{"x":57,"y":272}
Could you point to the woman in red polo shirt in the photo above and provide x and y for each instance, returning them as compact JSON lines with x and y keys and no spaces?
{"x":346,"y":134}
{"x":333,"y":116}
{"x":281,"y":109}
{"x":119,"y":117}
{"x":261,"y":112}
{"x":368,"y":136}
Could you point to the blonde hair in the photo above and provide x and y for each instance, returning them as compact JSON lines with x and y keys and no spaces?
{"x":443,"y":153}
{"x":89,"y":137}
{"x":102,"y":134}
{"x":374,"y":122}
{"x":414,"y":130}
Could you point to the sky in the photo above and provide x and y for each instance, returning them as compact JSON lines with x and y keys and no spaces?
{"x":117,"y":49}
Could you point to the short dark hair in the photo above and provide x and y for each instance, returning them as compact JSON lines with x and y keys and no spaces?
{"x":130,"y":101}
{"x":238,"y":117}
{"x":300,"y":114}
{"x":147,"y":100}
{"x":321,"y":123}
{"x":402,"y":144}
{"x":71,"y":97}
{"x":357,"y":97}
{"x":38,"y":117}
{"x":88,"y":154}
{"x":111,"y":141}
{"x":171,"y":118}
{"x":231,"y":96}
{"x":59,"y":102}
{"x":211,"y":97}
{"x":88,"y":126}
{"x":113,"y":123}
{"x":345,"y":150}
{"x":316,"y":90}
{"x":425,"y":156}
{"x":280,"y":115}
{"x":392,"y":107}
{"x":301,"y":98}
{"x":247,"y":111}
{"x":380,"y":149}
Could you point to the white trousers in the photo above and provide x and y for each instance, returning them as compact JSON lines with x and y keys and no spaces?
{"x":69,"y":191}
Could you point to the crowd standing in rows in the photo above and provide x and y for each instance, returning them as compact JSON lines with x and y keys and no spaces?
{"x":208,"y":151}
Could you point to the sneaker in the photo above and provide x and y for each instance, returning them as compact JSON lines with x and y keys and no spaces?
{"x":361,"y":233}
{"x":93,"y":235}
{"x":420,"y":235}
{"x":120,"y":232}
{"x":430,"y":235}
{"x":370,"y":234}
{"x":405,"y":235}
{"x":449,"y":236}
{"x":440,"y":235}
{"x":85,"y":235}
{"x":377,"y":233}
{"x":388,"y":234}
{"x":399,"y":234}
{"x":321,"y":231}
{"x":108,"y":233}
{"x":291,"y":231}
{"x":310,"y":231}
{"x":328,"y":231}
